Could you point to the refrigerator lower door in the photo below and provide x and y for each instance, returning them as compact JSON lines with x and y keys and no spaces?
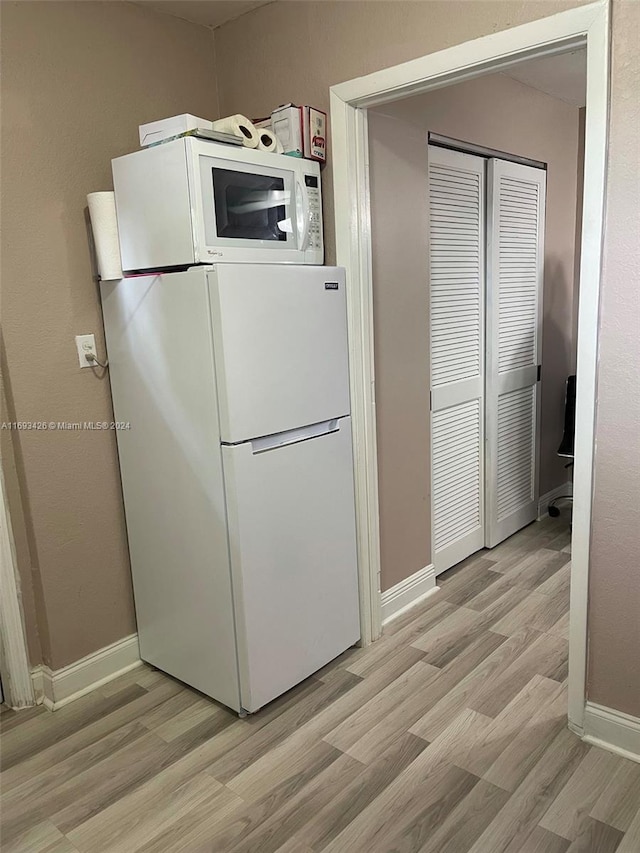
{"x":280,"y":340}
{"x":291,"y":518}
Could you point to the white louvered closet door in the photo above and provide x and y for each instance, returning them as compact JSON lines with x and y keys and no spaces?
{"x":515,"y":258}
{"x":457,"y":290}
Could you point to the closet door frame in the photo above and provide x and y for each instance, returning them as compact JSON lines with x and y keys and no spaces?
{"x":589,"y":26}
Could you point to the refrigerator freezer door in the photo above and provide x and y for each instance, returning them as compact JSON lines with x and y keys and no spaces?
{"x":293,"y":554}
{"x":280,"y":338}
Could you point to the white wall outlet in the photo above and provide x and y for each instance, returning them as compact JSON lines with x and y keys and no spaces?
{"x":86,"y":344}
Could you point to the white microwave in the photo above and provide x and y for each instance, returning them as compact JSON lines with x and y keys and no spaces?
{"x":191,"y":201}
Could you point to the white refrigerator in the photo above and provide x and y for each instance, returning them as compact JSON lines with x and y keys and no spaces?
{"x":231,"y":396}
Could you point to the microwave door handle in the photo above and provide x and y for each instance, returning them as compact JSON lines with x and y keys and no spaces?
{"x":303,"y":213}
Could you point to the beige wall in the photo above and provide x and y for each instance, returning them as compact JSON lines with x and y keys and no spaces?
{"x":500,"y":113}
{"x":614,"y":605}
{"x":302,"y":48}
{"x":298,"y":49}
{"x":77,"y":79}
{"x":398,"y":165}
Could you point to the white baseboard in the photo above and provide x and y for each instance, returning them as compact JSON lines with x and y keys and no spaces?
{"x":545,"y":500}
{"x":56,"y":688}
{"x":408,"y":593}
{"x":612,"y":730}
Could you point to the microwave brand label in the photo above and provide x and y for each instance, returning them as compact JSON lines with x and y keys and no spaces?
{"x":215,"y":253}
{"x":331,"y":285}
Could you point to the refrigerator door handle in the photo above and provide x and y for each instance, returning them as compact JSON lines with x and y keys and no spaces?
{"x":293,"y":436}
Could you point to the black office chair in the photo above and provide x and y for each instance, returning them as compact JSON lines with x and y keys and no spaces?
{"x":566,"y":448}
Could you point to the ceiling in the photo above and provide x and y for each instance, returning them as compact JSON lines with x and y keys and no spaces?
{"x":562,"y":76}
{"x":209,"y":13}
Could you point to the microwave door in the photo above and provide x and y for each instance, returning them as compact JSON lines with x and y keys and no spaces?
{"x":246,"y":207}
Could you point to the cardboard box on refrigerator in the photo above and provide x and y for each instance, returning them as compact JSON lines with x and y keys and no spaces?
{"x":301,"y":130}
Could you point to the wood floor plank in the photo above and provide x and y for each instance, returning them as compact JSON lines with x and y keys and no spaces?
{"x":159,"y":714}
{"x":465,"y":580}
{"x":192,"y":716}
{"x":462,"y":691}
{"x":520,"y":757}
{"x":388,"y":730}
{"x":619,"y":800}
{"x":9,"y":718}
{"x":196,"y":827}
{"x":267,"y":738}
{"x":23,"y":742}
{"x":546,"y":656}
{"x":491,"y":594}
{"x":90,"y":792}
{"x":271,"y":821}
{"x":393,"y":640}
{"x":515,"y":822}
{"x":406,"y":813}
{"x":42,"y":837}
{"x":538,"y":611}
{"x":559,"y":583}
{"x":543,"y":841}
{"x":534,"y":569}
{"x":142,"y":815}
{"x":367,"y":785}
{"x":286,"y":762}
{"x":566,"y":814}
{"x":55,"y":749}
{"x":561,"y":628}
{"x":499,"y":733}
{"x":20,"y":798}
{"x":445,"y":640}
{"x":596,"y":837}
{"x":468,"y":820}
{"x":381,"y":707}
{"x":631,"y":841}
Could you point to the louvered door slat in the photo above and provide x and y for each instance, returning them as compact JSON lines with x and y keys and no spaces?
{"x":456,"y":280}
{"x":514,"y":286}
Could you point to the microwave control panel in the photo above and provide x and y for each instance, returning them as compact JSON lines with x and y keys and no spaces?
{"x":312,"y":183}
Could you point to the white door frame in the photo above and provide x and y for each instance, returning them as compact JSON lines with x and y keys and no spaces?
{"x":585,"y":25}
{"x":17,"y":685}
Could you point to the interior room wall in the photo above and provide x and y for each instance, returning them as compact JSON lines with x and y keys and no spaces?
{"x":500,"y":113}
{"x":399,"y":224}
{"x":298,"y":50}
{"x":77,"y":80}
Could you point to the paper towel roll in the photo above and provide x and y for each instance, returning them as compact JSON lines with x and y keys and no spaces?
{"x":267,"y":140}
{"x":102,"y":210}
{"x":241,"y":126}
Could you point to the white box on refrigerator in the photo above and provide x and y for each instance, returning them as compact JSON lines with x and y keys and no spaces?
{"x":156,"y":131}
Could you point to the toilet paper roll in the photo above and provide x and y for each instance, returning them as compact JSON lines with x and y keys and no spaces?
{"x":267,"y":140}
{"x":104,"y":225}
{"x":241,"y":126}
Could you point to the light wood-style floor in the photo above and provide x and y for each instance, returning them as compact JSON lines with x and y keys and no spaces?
{"x":447,"y":736}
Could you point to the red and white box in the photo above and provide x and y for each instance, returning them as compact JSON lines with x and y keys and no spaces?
{"x":301,"y":130}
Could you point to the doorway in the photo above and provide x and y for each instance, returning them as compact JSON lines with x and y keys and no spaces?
{"x":583,"y":27}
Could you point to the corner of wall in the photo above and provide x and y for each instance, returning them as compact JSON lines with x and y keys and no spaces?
{"x":215,"y":71}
